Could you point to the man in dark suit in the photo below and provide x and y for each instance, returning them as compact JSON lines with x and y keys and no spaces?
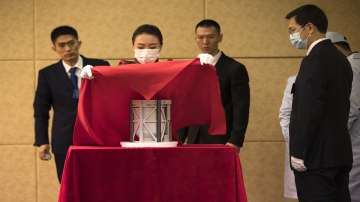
{"x":234,"y":89}
{"x":320,"y":146}
{"x":58,"y":88}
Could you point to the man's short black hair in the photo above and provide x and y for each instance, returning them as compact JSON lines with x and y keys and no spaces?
{"x":63,"y":30}
{"x":310,"y":13}
{"x":209,"y":23}
{"x":148,"y":29}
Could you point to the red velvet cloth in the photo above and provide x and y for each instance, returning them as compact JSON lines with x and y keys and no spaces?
{"x":208,"y":173}
{"x":103,"y":110}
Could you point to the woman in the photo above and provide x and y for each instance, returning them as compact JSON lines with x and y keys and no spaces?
{"x":147,"y":41}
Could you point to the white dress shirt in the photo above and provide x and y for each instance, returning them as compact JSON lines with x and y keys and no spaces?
{"x":216,"y":58}
{"x":78,"y":65}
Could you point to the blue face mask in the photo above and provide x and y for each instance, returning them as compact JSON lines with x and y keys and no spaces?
{"x":297,"y":42}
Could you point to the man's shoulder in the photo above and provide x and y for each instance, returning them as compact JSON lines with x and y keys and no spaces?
{"x":231,"y":67}
{"x":322,"y":53}
{"x":231,"y":62}
{"x":95,"y":61}
{"x":51,"y":67}
{"x":324,"y":49}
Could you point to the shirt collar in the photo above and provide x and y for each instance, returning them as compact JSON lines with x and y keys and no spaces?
{"x":79,"y":64}
{"x":314,"y":44}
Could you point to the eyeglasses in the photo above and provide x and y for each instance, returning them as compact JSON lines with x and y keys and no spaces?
{"x":70,"y":44}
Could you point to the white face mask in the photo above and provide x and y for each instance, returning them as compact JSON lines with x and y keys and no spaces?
{"x":144,"y":56}
{"x":297,"y":42}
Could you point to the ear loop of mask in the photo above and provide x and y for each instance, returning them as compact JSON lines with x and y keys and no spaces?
{"x":308,"y":36}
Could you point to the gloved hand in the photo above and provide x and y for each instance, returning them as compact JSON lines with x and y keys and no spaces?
{"x":86,"y":72}
{"x":205,"y":58}
{"x":298,"y":164}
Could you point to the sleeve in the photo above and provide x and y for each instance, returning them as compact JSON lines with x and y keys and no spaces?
{"x":106,"y":63}
{"x":42,"y":105}
{"x":285,"y":108}
{"x":240,"y":97}
{"x":354,"y":100}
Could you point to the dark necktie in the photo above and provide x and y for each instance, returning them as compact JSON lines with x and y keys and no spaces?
{"x":74,"y":81}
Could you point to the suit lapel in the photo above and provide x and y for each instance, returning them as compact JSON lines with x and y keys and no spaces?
{"x":221,"y":62}
{"x":63,"y":76}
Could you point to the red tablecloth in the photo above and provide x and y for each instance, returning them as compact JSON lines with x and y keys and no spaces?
{"x":182,"y":174}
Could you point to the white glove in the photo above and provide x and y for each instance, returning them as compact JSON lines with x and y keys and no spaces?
{"x":86,"y":72}
{"x":205,"y":58}
{"x":298,"y":164}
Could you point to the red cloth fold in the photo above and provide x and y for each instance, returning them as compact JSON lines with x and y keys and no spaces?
{"x":104,"y":102}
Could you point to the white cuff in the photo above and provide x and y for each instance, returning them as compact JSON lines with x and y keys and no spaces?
{"x":298,"y":164}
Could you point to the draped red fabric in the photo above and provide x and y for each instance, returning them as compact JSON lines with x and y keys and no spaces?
{"x":104,"y":102}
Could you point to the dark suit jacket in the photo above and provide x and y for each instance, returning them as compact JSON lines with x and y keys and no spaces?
{"x":54,"y":90}
{"x":320,"y":109}
{"x":235,"y":96}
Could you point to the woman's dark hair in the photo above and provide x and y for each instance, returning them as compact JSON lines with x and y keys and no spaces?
{"x":148,"y":29}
